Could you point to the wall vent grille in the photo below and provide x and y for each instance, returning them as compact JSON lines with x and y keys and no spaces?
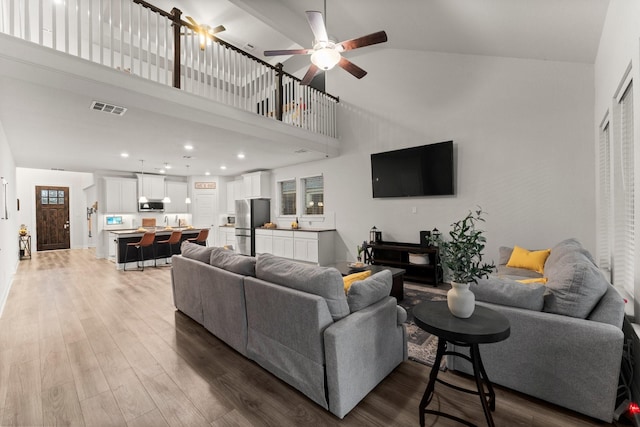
{"x":108,"y":108}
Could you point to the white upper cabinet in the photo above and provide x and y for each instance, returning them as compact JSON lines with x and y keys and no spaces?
{"x":257,"y":185}
{"x":120,"y":195}
{"x":231,"y":197}
{"x":153,"y":189}
{"x":177,"y":192}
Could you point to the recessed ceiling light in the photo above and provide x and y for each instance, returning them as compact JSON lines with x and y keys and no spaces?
{"x":207,"y":173}
{"x":223,"y":167}
{"x":162,"y":171}
{"x":188,"y":147}
{"x":124,"y":155}
{"x":241,"y":155}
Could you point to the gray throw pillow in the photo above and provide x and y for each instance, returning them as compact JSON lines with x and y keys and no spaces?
{"x":322,"y":281}
{"x":195,"y":251}
{"x":575,"y":286}
{"x":363,"y":293}
{"x":562,"y":249}
{"x":497,"y":290}
{"x":231,"y":261}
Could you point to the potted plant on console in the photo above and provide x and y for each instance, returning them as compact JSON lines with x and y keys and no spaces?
{"x":461,"y":256}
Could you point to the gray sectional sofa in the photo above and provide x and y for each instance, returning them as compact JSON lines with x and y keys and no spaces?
{"x":566,"y":335}
{"x":295,"y":320}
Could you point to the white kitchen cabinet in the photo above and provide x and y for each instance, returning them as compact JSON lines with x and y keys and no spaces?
{"x":227,"y":237}
{"x":231,"y":197}
{"x":257,"y":185}
{"x":314,"y":246}
{"x":153,"y":189}
{"x":120,"y":195}
{"x":305,"y":247}
{"x":177,"y":192}
{"x":264,"y":241}
{"x":282,"y":243}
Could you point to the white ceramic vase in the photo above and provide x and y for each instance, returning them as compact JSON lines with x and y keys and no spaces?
{"x":461,"y":300}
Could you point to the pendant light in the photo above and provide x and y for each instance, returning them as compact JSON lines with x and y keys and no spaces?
{"x":187,"y":200}
{"x":166,"y":198}
{"x":142,"y":198}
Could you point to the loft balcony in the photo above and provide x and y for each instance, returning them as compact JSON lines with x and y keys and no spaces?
{"x":137,"y":38}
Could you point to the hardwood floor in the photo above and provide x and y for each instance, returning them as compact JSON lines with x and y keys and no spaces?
{"x":84,"y":344}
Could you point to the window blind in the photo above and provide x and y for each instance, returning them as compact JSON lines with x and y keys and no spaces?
{"x":604,"y":206}
{"x":623,"y":271}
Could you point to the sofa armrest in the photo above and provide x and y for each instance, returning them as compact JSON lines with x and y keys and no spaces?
{"x":360,"y":351}
{"x":564,"y":360}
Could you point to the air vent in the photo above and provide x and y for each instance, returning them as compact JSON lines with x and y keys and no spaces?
{"x":248,"y":47}
{"x":108,"y":108}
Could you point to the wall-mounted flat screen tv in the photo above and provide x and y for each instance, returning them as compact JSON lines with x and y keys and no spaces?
{"x":426,"y":170}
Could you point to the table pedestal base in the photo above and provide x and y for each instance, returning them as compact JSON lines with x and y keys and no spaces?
{"x":487,"y":398}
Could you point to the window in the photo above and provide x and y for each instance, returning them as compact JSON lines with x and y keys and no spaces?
{"x":288,"y":197}
{"x":604,"y":205}
{"x":623,"y":193}
{"x":313,"y":188}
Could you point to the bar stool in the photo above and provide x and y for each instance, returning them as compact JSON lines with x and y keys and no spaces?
{"x":172,"y":240}
{"x":201,"y":238}
{"x":145,"y":241}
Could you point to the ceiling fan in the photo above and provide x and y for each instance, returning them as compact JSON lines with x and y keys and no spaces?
{"x":205,"y":31}
{"x":326,"y":53}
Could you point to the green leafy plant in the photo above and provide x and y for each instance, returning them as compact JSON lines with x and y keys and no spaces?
{"x":461,"y":254}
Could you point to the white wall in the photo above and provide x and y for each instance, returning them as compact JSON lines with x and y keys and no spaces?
{"x":8,"y":227}
{"x":522,"y":131}
{"x":28,"y":179}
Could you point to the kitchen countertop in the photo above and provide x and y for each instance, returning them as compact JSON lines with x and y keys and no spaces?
{"x":310,"y":230}
{"x":158,"y":230}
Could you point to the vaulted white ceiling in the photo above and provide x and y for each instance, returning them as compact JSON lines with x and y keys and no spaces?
{"x":49,"y":125}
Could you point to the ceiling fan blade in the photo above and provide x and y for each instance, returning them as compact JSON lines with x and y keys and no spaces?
{"x":311,"y":72}
{"x":192,"y":21}
{"x":316,"y":22}
{"x":368,"y":40}
{"x":287,"y":52}
{"x":216,"y":30}
{"x":352,"y":68}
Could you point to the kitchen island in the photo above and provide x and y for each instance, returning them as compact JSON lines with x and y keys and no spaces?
{"x":120,"y":238}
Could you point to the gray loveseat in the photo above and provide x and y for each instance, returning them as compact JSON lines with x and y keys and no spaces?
{"x":566,"y":335}
{"x":295,"y":320}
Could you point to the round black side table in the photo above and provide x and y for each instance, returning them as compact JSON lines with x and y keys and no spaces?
{"x":483,"y":327}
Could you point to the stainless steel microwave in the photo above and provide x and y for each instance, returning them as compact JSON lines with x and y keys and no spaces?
{"x":151,"y":206}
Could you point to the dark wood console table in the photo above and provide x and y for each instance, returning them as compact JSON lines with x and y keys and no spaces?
{"x":396,"y":254}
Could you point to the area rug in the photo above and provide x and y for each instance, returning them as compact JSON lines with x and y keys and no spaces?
{"x":422,"y":346}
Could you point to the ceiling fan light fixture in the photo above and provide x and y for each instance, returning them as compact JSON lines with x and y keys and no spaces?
{"x":325,"y":58}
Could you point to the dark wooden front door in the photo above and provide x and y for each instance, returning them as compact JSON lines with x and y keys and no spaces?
{"x":52,"y":218}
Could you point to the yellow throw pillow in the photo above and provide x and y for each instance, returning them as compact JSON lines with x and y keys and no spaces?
{"x":348,"y":280}
{"x":542,"y":280}
{"x":531,"y":260}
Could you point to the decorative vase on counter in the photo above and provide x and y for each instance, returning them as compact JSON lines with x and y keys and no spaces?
{"x":461,"y":300}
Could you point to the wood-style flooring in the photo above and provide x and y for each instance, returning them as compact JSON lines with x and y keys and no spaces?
{"x":83,"y":344}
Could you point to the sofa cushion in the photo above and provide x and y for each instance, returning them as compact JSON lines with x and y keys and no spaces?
{"x":365,"y":292}
{"x":575,"y":286}
{"x":231,"y":261}
{"x":566,"y":247}
{"x":195,"y":251}
{"x":498,"y":290}
{"x":352,"y":278}
{"x":322,"y":281}
{"x":531,"y":260}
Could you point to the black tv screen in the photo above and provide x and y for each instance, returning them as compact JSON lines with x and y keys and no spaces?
{"x":426,"y":170}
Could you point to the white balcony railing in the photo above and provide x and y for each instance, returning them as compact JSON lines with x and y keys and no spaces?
{"x":136,"y":37}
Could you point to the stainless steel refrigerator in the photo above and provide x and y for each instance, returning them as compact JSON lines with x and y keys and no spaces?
{"x":250,"y":213}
